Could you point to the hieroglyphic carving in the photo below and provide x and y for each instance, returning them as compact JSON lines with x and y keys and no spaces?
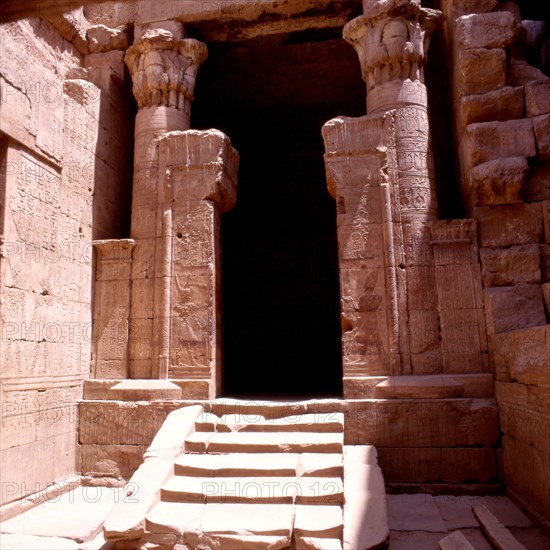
{"x":458,"y":280}
{"x":37,"y":190}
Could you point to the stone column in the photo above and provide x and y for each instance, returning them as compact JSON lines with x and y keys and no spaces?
{"x":200,"y":170}
{"x":391,"y":40}
{"x":164,"y":67}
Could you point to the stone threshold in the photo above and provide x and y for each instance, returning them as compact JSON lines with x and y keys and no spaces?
{"x":438,"y":386}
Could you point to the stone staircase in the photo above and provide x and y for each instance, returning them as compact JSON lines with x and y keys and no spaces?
{"x":243,"y":483}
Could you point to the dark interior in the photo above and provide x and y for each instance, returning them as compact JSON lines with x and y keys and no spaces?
{"x":271,"y":96}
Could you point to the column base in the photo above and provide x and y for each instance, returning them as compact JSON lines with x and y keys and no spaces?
{"x":149,"y":389}
{"x":144,"y":390}
{"x":438,"y":386}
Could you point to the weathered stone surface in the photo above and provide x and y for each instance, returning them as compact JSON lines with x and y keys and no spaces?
{"x":545,"y":262}
{"x":546,"y":220}
{"x":527,"y":472}
{"x":464,"y":465}
{"x":485,"y":141}
{"x":523,"y":224}
{"x":525,"y":414}
{"x":455,"y":541}
{"x":457,"y":511}
{"x":144,"y":390}
{"x":510,"y":266}
{"x":82,"y":510}
{"x":546,"y":295}
{"x":413,"y":465}
{"x":426,"y":423}
{"x":503,"y":104}
{"x":170,"y":439}
{"x":514,"y":307}
{"x":480,"y":70}
{"x":538,"y":185}
{"x":30,"y":542}
{"x":461,"y":7}
{"x":115,"y":460}
{"x":525,"y":354}
{"x":103,"y":39}
{"x":121,"y":423}
{"x":495,"y":531}
{"x":414,"y":513}
{"x":541,"y":126}
{"x":485,"y":30}
{"x":498,"y":181}
{"x":521,"y":73}
{"x":127,"y":519}
{"x":365,"y":495}
{"x":537,"y":98}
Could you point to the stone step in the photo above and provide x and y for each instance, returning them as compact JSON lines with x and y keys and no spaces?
{"x":325,"y":522}
{"x":317,"y":423}
{"x":237,"y":465}
{"x":252,"y":490}
{"x":252,"y":519}
{"x":257,"y":442}
{"x":322,"y":522}
{"x":259,"y":465}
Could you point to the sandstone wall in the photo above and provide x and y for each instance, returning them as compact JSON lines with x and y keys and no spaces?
{"x":502,"y":124}
{"x":62,"y":180}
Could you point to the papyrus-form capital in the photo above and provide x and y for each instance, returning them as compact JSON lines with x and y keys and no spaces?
{"x":391,"y":40}
{"x":164,"y":69}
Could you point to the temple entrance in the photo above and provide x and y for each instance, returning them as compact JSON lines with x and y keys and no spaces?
{"x":271,"y":96}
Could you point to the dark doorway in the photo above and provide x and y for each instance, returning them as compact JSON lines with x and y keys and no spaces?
{"x":271,"y":96}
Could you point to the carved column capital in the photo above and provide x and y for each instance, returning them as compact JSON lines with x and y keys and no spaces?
{"x":391,"y":40}
{"x":164,"y":68}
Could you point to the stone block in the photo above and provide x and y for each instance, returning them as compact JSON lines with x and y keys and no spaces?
{"x":514,"y":307}
{"x":461,"y":7}
{"x":349,"y":136}
{"x":485,"y":30}
{"x":541,"y":126}
{"x":111,"y":423}
{"x":527,"y":472}
{"x":537,"y":98}
{"x":417,"y":512}
{"x":510,"y":266}
{"x":521,"y":73}
{"x":426,"y":423}
{"x":117,"y":461}
{"x":546,"y":295}
{"x":410,"y":465}
{"x":354,"y":174}
{"x":485,"y":141}
{"x":462,"y":465}
{"x":525,"y":414}
{"x":545,"y":205}
{"x":525,"y":354}
{"x":497,"y":181}
{"x":480,"y":70}
{"x":503,"y":104}
{"x":455,"y":541}
{"x":506,"y":225}
{"x":538,"y":184}
{"x":364,"y":490}
{"x":545,"y":262}
{"x":127,"y":519}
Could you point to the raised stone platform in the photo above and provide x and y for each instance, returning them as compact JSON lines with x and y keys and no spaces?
{"x":445,"y":441}
{"x":223,"y":482}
